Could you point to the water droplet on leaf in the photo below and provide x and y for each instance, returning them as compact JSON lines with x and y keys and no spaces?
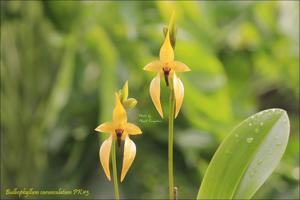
{"x":259,"y":161}
{"x":249,"y":140}
{"x":279,"y":144}
{"x":252,"y":173}
{"x":227,"y":152}
{"x":270,"y":152}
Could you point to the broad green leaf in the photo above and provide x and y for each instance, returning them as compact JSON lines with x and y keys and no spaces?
{"x":247,"y":157}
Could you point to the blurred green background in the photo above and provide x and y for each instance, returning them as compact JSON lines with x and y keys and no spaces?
{"x":61,"y":63}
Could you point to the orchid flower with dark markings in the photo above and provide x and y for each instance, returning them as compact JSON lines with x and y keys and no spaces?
{"x":166,"y":67}
{"x":120,"y":130}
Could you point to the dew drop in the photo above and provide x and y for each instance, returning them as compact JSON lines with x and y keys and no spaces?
{"x":276,"y":137}
{"x":249,"y":140}
{"x":296,"y":173}
{"x":261,"y":123}
{"x":227,"y":152}
{"x":252,"y":173}
{"x":259,"y":161}
{"x":270,"y":152}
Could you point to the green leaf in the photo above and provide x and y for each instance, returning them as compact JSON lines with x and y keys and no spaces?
{"x":247,"y":157}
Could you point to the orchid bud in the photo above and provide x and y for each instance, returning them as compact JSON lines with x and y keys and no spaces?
{"x":130,"y":103}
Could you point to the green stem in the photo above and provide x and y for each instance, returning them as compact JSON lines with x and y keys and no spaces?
{"x":114,"y":165}
{"x":170,"y":144}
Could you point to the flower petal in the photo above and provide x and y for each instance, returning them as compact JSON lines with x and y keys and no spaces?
{"x":155,"y":94}
{"x":132,"y":129}
{"x":107,"y":127}
{"x":129,"y":155}
{"x":104,"y":155}
{"x":180,"y":67}
{"x":178,"y":92}
{"x":155,"y":66}
{"x":119,"y":113}
{"x":166,"y":53}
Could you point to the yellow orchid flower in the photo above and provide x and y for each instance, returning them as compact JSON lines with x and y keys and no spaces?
{"x":166,"y":67}
{"x":120,"y":130}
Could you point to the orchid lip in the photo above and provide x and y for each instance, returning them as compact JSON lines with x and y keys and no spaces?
{"x":166,"y":74}
{"x":119,"y":133}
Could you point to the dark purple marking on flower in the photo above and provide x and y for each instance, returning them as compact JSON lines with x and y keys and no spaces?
{"x":119,"y":133}
{"x":166,"y":74}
